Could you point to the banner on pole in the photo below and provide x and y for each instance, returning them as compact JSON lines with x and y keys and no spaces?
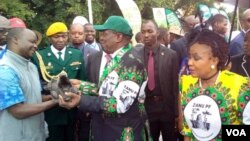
{"x":160,"y":17}
{"x":166,"y":18}
{"x":204,"y":12}
{"x":132,"y":14}
{"x":172,"y":18}
{"x":214,"y":11}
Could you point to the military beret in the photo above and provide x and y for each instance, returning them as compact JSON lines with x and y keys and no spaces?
{"x":55,"y":28}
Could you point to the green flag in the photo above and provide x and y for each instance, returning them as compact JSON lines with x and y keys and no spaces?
{"x":204,"y":12}
{"x":172,"y":19}
{"x":214,"y":11}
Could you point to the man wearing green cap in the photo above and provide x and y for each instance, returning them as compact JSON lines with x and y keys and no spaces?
{"x":59,"y":57}
{"x":115,"y":95}
{"x":4,"y":26}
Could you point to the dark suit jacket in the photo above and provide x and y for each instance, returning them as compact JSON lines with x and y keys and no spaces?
{"x":236,"y":46}
{"x":86,"y":52}
{"x":111,"y":128}
{"x":237,"y":66}
{"x":168,"y":76}
{"x":93,"y":67}
{"x":180,"y":47}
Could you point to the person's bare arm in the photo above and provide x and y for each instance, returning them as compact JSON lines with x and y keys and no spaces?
{"x":46,"y":98}
{"x":24,"y":110}
{"x":187,"y":138}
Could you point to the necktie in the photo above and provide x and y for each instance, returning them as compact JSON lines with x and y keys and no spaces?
{"x":151,"y":77}
{"x":108,"y":59}
{"x":60,"y":56}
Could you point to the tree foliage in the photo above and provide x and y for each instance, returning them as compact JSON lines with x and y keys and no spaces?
{"x":39,"y":14}
{"x":189,"y":6}
{"x":16,"y":8}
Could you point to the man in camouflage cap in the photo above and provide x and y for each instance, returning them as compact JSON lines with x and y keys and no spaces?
{"x":4,"y":26}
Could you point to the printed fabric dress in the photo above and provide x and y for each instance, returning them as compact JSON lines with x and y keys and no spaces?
{"x":244,"y":104}
{"x":117,"y":102}
{"x":206,"y":110}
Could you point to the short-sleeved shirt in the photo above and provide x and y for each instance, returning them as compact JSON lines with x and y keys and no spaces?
{"x":3,"y":50}
{"x":10,"y":90}
{"x":20,"y":83}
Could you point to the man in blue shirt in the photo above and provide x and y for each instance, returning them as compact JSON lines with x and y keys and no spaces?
{"x":90,"y":34}
{"x":21,"y":106}
{"x":236,"y":46}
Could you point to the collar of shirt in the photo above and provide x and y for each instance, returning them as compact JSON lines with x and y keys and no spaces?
{"x":155,"y":49}
{"x":18,"y":59}
{"x":93,"y":45}
{"x":3,"y":47}
{"x":55,"y":51}
{"x":104,"y":60}
{"x":79,"y":46}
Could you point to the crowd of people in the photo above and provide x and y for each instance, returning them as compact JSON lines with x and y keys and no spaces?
{"x":169,"y":85}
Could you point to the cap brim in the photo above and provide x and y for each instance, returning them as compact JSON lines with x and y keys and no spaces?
{"x":7,"y":27}
{"x":100,"y":27}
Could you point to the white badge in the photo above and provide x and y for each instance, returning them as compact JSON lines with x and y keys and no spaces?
{"x":142,"y":95}
{"x":203,"y":117}
{"x":125,"y":95}
{"x":246,"y":114}
{"x":108,"y":85}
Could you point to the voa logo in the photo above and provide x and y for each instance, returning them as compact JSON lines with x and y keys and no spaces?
{"x":236,"y":132}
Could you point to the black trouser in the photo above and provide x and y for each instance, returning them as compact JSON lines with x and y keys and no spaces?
{"x":83,"y":126}
{"x":61,"y":133}
{"x":167,"y":130}
{"x":178,"y":136}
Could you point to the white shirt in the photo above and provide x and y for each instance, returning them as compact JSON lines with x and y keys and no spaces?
{"x":55,"y":51}
{"x":3,"y":47}
{"x":104,"y":60}
{"x":94,"y":45}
